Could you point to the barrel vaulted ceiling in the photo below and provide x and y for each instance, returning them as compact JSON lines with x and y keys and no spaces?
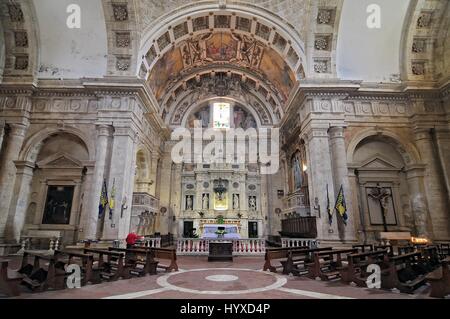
{"x":271,"y":45}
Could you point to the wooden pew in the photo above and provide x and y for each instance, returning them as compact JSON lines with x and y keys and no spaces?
{"x":85,"y":261}
{"x":40,"y":277}
{"x":326,"y":264}
{"x":138,"y":257}
{"x":356,"y":272}
{"x":298,"y":259}
{"x":112,"y":269}
{"x":390,"y":249}
{"x":444,"y":251}
{"x":400,"y":273}
{"x":363,"y":248}
{"x":164,"y":254}
{"x":402,"y":250}
{"x":9,"y":280}
{"x":430,"y":255}
{"x":277,"y":254}
{"x":439,"y":280}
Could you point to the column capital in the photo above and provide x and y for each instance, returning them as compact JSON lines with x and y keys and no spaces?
{"x":17,"y":129}
{"x":422,"y":134}
{"x":24,"y":167}
{"x":336,"y":132}
{"x":104,"y":130}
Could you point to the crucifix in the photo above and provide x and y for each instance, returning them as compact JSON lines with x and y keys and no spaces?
{"x":382,"y":196}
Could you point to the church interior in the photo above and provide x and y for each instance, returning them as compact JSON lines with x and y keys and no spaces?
{"x":255,"y":149}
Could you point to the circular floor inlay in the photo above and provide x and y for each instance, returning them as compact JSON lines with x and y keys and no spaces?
{"x":239,"y":281}
{"x":222,"y":278}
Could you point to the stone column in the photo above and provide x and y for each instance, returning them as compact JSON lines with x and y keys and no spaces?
{"x":443,"y":153}
{"x":94,"y":190}
{"x":11,"y":151}
{"x":415,"y":177}
{"x":434,"y":186}
{"x":86,"y":192}
{"x":121,"y":173}
{"x":2,"y":134}
{"x":320,"y":176}
{"x":176,"y":200}
{"x":165,"y":194}
{"x":20,"y":199}
{"x":154,"y":173}
{"x":340,"y":174}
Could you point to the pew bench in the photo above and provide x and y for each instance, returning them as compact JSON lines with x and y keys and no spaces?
{"x":85,"y":261}
{"x":280,"y":254}
{"x":140,"y":262}
{"x":444,"y":251}
{"x":439,"y":280}
{"x":401,"y":274}
{"x":326,"y":264}
{"x":356,"y":269}
{"x":363,"y":248}
{"x":298,"y":259}
{"x":45,"y":272}
{"x":390,"y":249}
{"x":169,"y":254}
{"x":9,"y":280}
{"x":110,"y":269}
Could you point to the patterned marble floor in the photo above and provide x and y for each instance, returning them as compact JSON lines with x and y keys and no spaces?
{"x":240,"y":279}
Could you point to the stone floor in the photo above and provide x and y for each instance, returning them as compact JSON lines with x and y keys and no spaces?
{"x":242,"y":278}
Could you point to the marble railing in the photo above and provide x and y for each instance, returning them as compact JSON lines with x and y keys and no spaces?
{"x":152,"y":242}
{"x":241,"y":247}
{"x":299,"y":242}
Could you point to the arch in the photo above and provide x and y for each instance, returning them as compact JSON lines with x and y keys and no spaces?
{"x":33,"y":144}
{"x":189,"y":12}
{"x":21,"y":40}
{"x":406,"y":149}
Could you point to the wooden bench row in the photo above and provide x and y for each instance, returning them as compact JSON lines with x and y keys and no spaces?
{"x":97,"y":265}
{"x":406,"y":271}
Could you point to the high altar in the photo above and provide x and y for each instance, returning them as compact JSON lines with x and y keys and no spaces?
{"x":222,"y":194}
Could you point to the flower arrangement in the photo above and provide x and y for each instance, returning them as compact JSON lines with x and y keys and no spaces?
{"x":221,"y":232}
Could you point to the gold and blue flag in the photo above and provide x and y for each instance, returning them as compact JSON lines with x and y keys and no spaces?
{"x":341,"y":206}
{"x":103,"y":200}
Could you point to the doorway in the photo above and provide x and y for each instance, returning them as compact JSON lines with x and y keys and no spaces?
{"x":252,"y":229}
{"x":188,"y":229}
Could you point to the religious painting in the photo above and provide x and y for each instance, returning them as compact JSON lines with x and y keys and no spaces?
{"x":376,"y":207}
{"x":221,"y":47}
{"x":278,"y":72}
{"x":243,"y":119}
{"x":58,"y":205}
{"x":166,"y":69}
{"x":200,"y":119}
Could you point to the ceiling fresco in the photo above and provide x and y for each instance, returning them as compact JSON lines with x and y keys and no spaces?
{"x":222,"y":49}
